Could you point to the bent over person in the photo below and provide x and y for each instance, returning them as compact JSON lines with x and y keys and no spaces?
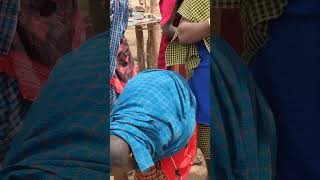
{"x":152,"y":127}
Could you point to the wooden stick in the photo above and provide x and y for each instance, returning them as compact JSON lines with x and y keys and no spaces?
{"x":140,"y":49}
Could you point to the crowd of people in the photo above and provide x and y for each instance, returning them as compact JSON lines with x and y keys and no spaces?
{"x":256,"y":105}
{"x":244,"y":90}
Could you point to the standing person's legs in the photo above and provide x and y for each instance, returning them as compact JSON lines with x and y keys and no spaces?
{"x":203,"y":140}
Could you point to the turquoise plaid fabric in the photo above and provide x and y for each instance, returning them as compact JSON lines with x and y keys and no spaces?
{"x":244,"y":133}
{"x":119,"y":19}
{"x":155,"y":115}
{"x":64,"y":132}
{"x":9,"y":10}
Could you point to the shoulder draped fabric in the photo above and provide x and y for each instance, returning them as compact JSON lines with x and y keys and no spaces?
{"x":255,"y":17}
{"x":155,"y":115}
{"x":33,"y":36}
{"x":64,"y":133}
{"x":244,"y":129}
{"x":194,"y":11}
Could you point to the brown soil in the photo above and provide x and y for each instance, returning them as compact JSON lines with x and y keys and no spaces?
{"x":198,"y":172}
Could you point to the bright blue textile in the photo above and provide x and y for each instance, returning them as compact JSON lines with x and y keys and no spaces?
{"x":155,"y":115}
{"x":200,"y":85}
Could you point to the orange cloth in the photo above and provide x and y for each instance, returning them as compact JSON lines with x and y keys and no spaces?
{"x":181,"y":162}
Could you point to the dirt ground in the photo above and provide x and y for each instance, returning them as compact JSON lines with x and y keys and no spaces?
{"x":130,"y":32}
{"x":198,"y":172}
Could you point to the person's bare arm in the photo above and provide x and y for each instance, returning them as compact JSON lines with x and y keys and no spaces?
{"x":189,"y":32}
{"x":121,"y":158}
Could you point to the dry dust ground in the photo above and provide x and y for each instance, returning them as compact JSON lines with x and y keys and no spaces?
{"x":198,"y":172}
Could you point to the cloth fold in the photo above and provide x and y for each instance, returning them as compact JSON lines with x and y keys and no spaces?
{"x":63,"y":135}
{"x":244,"y":130}
{"x":155,"y":115}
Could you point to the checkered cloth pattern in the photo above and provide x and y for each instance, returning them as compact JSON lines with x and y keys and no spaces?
{"x":12,"y":110}
{"x":154,"y":173}
{"x":119,"y":20}
{"x":9,"y":10}
{"x":203,"y":140}
{"x":46,"y":31}
{"x":155,"y":115}
{"x":194,"y":11}
{"x":255,"y":16}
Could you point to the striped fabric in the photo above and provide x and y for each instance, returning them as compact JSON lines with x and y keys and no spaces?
{"x":255,"y":16}
{"x":12,"y":110}
{"x":119,"y":20}
{"x":155,"y":115}
{"x":194,"y":11}
{"x":8,"y":22}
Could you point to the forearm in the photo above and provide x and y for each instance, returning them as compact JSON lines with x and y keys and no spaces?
{"x":168,"y":29}
{"x":190,"y":33}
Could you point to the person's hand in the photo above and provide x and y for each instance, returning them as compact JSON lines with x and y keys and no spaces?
{"x":170,"y":31}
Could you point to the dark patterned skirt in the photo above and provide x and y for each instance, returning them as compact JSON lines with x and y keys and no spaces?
{"x":154,"y":173}
{"x":12,"y":110}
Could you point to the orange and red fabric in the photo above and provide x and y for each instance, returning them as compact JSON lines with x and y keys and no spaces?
{"x":126,"y":68}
